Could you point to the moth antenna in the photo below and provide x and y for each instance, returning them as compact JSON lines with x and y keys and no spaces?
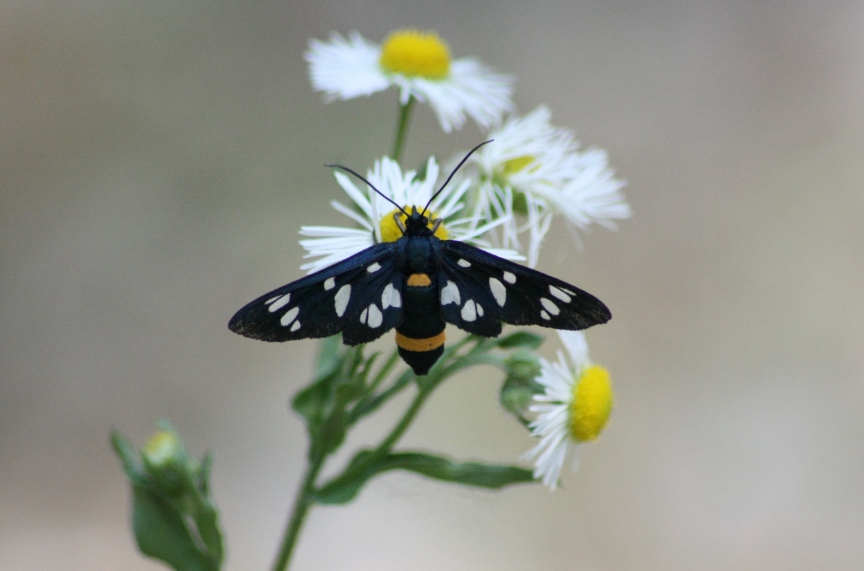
{"x":462,"y":162}
{"x":372,"y":186}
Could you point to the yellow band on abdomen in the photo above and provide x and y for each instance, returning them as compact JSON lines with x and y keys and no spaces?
{"x":420,"y":345}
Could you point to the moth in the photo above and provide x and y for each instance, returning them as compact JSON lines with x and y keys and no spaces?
{"x":417,"y":285}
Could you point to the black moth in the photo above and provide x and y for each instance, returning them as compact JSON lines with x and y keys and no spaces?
{"x":417,"y":284}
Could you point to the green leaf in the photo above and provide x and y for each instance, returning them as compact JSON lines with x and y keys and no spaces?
{"x":467,"y":473}
{"x":524,"y":339}
{"x":329,"y":356}
{"x":323,"y":404}
{"x":311,"y":401}
{"x":360,"y":470}
{"x":162,"y":533}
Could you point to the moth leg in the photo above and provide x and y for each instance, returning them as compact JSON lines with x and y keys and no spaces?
{"x":399,"y":223}
{"x":436,"y":224}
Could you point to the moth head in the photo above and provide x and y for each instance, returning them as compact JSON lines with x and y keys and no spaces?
{"x":398,"y":223}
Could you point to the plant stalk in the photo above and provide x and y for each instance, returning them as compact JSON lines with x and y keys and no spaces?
{"x":302,"y":503}
{"x":402,"y":130}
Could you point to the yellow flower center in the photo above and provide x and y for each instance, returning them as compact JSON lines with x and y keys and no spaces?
{"x":592,"y":404}
{"x":161,"y":447}
{"x":516,"y":164}
{"x":510,"y":167}
{"x":390,"y":232}
{"x":416,"y":54}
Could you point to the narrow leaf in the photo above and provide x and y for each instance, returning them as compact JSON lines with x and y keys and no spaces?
{"x":524,"y":339}
{"x":468,"y":473}
{"x":345,"y":488}
{"x":129,"y":457}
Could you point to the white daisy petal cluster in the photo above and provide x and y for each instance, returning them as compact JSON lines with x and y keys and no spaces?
{"x":418,"y":64}
{"x":573,"y":409}
{"x":373,"y":213}
{"x":537,"y":170}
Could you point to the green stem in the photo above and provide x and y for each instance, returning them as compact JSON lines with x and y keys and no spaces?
{"x":389,"y":441}
{"x":402,"y":129}
{"x":403,"y":424}
{"x":302,"y":503}
{"x":384,"y":370}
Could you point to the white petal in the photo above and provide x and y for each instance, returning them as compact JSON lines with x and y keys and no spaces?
{"x":345,"y":69}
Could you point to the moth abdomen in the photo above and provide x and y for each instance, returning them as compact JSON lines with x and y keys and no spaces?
{"x":420,"y":337}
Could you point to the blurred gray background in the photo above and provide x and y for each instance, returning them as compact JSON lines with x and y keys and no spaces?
{"x":157,"y":159}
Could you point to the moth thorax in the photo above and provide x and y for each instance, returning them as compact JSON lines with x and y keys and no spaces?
{"x":390,"y":230}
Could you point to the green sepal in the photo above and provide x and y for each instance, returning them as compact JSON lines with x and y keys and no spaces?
{"x":345,"y":488}
{"x":520,"y":386}
{"x":161,"y":532}
{"x":129,"y":457}
{"x":523,"y":339}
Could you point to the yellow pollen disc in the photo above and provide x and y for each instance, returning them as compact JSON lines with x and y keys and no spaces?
{"x":390,"y":232}
{"x":416,"y":54}
{"x":516,"y":164}
{"x":592,"y":404}
{"x":161,"y":446}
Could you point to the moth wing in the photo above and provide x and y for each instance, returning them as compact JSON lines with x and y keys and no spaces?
{"x":510,"y":293}
{"x":329,"y":301}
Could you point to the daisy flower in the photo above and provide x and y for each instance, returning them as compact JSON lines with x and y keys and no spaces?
{"x":373,"y":214}
{"x":418,"y":64}
{"x":573,"y":408}
{"x":537,"y":170}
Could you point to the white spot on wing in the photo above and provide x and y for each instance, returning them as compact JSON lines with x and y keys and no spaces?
{"x":550,"y":306}
{"x":391,"y":297}
{"x":498,"y":290}
{"x":464,"y":263}
{"x":560,"y":294}
{"x":373,"y":268}
{"x":375,"y":317}
{"x":296,"y":326}
{"x":479,"y":310}
{"x":469,"y":311}
{"x":363,"y":316}
{"x":290,"y":316}
{"x":341,"y":300}
{"x":278,"y":303}
{"x":450,"y":294}
{"x":329,"y":284}
{"x":509,"y":278}
{"x":544,"y":315}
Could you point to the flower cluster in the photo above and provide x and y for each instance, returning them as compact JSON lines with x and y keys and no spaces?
{"x":504,"y":199}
